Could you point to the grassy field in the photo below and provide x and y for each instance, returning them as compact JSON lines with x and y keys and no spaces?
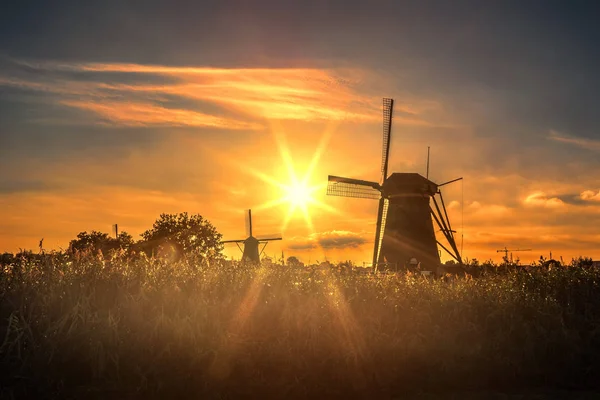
{"x":84,"y":327}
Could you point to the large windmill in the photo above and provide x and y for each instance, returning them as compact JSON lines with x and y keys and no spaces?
{"x":404,"y":233}
{"x":251,"y":243}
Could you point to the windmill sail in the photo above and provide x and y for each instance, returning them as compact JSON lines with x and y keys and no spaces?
{"x":248,"y":221}
{"x":380,"y":228}
{"x":273,"y":236}
{"x":388,"y":109}
{"x":404,"y":230}
{"x":348,"y":187}
{"x":233,"y":241}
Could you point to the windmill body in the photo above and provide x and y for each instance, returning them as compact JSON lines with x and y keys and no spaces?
{"x":409,"y":232}
{"x":252,"y":250}
{"x":404,"y":234}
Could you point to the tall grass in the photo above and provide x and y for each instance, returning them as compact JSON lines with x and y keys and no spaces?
{"x":147,"y":328}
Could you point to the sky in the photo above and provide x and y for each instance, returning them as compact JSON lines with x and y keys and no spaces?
{"x":118,"y":111}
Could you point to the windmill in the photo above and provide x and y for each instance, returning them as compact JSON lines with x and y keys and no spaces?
{"x":404,"y":233}
{"x":251,"y":243}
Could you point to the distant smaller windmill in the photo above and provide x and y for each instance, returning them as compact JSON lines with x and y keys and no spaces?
{"x":251,"y":244}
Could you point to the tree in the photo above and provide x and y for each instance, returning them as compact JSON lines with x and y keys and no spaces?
{"x":7,"y":259}
{"x":293,"y":261}
{"x":187,"y":234}
{"x":100,"y":241}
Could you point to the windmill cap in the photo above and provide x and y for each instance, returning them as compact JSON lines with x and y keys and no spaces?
{"x":408,"y":182}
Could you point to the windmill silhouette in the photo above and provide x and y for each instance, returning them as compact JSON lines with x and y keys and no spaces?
{"x":251,"y":253}
{"x":404,"y":233}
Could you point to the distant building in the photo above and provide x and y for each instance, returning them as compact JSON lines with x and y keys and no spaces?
{"x":596,"y":264}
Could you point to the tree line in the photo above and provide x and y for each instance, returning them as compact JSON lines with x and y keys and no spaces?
{"x":174,"y":235}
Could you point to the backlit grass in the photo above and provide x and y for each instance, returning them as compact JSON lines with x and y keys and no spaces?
{"x":84,"y":327}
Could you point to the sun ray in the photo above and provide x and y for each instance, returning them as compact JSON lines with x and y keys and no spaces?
{"x":226,"y":351}
{"x":270,"y":204}
{"x":298,"y":192}
{"x":308,"y":219}
{"x":327,"y":207}
{"x":287,"y":218}
{"x":284,"y":153}
{"x":325,"y":138}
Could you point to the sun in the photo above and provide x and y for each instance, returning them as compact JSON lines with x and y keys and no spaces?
{"x":296,"y":188}
{"x":298,"y":194}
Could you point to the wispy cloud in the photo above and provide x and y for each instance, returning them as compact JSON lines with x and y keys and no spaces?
{"x":588,"y":144}
{"x":229,"y":98}
{"x":140,"y":114}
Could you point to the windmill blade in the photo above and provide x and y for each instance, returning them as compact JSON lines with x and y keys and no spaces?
{"x":233,"y":241}
{"x":453,"y":180}
{"x":348,"y":187}
{"x":248,"y":221}
{"x":267,"y":239}
{"x":388,"y":109}
{"x":380,"y":228}
{"x":274,"y":236}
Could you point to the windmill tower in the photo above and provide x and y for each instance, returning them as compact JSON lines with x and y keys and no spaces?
{"x":251,"y":244}
{"x":404,"y":233}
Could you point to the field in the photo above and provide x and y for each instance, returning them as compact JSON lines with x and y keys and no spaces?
{"x":85,"y":327}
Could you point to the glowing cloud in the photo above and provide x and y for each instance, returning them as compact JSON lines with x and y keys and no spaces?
{"x":540,"y":199}
{"x":139,"y":114}
{"x":239,"y":93}
{"x":590,"y":195}
{"x":335,"y":239}
{"x":340,"y":240}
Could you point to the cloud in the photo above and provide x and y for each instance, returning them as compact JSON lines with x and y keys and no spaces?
{"x":328,"y":240}
{"x":475,"y":205}
{"x":477,"y":211}
{"x":340,"y":240}
{"x":588,"y":144}
{"x":302,"y":244}
{"x":229,"y":98}
{"x":453,"y":205}
{"x":540,"y":199}
{"x":255,"y":93}
{"x":590,"y":195}
{"x":140,"y":115}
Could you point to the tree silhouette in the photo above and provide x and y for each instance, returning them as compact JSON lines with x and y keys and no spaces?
{"x":99,"y":241}
{"x":293,"y":261}
{"x":183,"y":233}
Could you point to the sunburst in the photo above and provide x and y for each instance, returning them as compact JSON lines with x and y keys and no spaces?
{"x":297,"y":190}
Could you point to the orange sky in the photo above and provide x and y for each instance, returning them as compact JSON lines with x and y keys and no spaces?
{"x":231,"y":133}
